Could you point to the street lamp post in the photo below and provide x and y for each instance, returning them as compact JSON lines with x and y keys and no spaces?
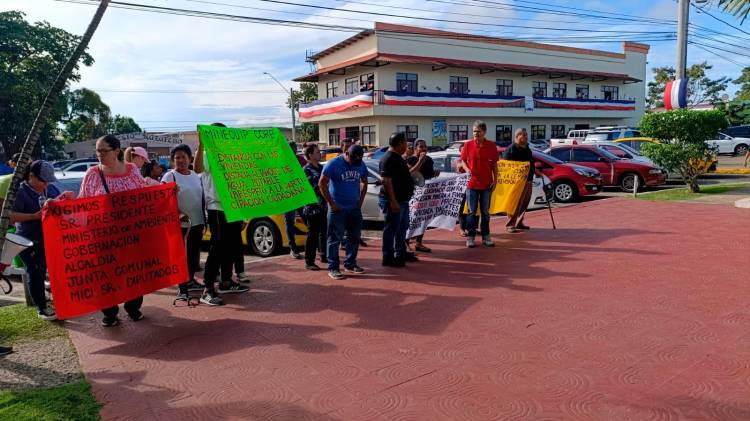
{"x":291,"y":102}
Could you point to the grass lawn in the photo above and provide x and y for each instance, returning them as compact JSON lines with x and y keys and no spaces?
{"x":685,"y":194}
{"x":63,"y":403}
{"x":20,"y":322}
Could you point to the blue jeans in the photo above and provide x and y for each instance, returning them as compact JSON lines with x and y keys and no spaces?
{"x":36,"y":271}
{"x":394,"y":230}
{"x":289,"y":219}
{"x":349,"y":221}
{"x":481,"y":198}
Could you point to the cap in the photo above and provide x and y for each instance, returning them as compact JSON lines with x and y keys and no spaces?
{"x":356,"y":150}
{"x":139,"y":151}
{"x":43,"y":170}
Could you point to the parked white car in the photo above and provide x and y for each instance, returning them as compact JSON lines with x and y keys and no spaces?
{"x":75,"y":170}
{"x":611,"y":133}
{"x":575,"y":137}
{"x":730,"y":145}
{"x":446,"y":161}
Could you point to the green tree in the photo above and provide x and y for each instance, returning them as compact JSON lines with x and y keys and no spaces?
{"x":88,"y":116}
{"x":737,"y":111}
{"x":744,"y":82}
{"x":739,"y":8}
{"x":701,"y":88}
{"x":122,"y":124}
{"x":682,"y":134}
{"x":307,"y":92}
{"x":31,"y":55}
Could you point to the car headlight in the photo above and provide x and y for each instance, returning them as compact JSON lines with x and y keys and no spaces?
{"x":655,"y":171}
{"x":585,"y":173}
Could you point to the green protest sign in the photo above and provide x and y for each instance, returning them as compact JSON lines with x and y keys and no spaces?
{"x":255,"y":172}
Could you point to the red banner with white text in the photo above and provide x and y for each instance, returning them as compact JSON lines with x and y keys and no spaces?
{"x":105,"y":250}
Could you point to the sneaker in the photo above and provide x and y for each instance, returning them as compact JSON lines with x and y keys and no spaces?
{"x":470,"y":243}
{"x":182,"y":296}
{"x":511,"y":230}
{"x":211,"y":300}
{"x":136,"y":316}
{"x":295,"y":254}
{"x":410,"y":257}
{"x":523,"y":227}
{"x":487,"y":242}
{"x":194,"y":285}
{"x":231,"y":288}
{"x":110,"y":321}
{"x":393,"y":262}
{"x":47,"y":314}
{"x":312,"y":267}
{"x":353,"y":269}
{"x":5,"y":350}
{"x":243,"y":277}
{"x":335,"y":274}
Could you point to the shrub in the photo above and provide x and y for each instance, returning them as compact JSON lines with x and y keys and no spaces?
{"x":683,"y":134}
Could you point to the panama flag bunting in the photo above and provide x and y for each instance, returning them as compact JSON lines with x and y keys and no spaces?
{"x":675,"y":94}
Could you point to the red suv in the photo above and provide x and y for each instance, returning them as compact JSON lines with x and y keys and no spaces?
{"x":614,"y":171}
{"x":569,"y":181}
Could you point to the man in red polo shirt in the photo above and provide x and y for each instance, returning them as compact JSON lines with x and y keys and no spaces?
{"x":479,"y":158}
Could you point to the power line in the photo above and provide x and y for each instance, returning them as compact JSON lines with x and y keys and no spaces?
{"x":700,"y":10}
{"x":718,"y":55}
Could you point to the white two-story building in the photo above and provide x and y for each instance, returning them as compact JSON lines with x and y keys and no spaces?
{"x":433,"y":84}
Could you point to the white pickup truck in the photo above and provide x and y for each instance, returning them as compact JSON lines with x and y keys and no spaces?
{"x":575,"y":137}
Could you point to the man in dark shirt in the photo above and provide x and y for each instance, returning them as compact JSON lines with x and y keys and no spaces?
{"x":520,"y":151}
{"x":398,"y":187}
{"x":424,"y":165}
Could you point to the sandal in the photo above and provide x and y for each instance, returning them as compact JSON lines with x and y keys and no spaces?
{"x":423,"y":249}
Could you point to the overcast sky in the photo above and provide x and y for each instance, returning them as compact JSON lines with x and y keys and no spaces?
{"x":140,"y":51}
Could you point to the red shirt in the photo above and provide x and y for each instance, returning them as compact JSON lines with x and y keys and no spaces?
{"x":482,"y":161}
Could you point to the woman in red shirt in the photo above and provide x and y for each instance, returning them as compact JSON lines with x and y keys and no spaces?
{"x":479,"y":158}
{"x":112,"y":175}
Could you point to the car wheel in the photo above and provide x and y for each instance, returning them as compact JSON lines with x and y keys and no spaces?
{"x":564,"y":192}
{"x":627,"y":182}
{"x":264,"y":238}
{"x":740,"y":149}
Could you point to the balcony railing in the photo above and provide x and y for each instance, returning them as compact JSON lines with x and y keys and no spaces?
{"x":367,"y":99}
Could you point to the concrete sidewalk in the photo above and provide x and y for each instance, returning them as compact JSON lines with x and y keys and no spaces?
{"x":631,"y":310}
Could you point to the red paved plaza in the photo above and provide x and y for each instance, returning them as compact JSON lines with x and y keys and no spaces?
{"x":631,"y":310}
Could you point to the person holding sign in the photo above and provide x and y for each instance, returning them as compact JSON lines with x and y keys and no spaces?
{"x":344,"y":185}
{"x":398,"y":187}
{"x":32,"y":195}
{"x":520,"y":151}
{"x":191,"y":202}
{"x":226,"y":237}
{"x":424,"y":165}
{"x":479,"y":158}
{"x":314,"y":214}
{"x":110,"y":176}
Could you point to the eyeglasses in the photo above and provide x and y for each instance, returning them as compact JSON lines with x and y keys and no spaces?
{"x":103,"y":151}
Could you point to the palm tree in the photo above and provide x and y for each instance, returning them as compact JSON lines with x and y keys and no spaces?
{"x":739,"y":8}
{"x":41,"y":118}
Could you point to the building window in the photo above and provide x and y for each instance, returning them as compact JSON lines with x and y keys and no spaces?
{"x":539,"y":89}
{"x":332,"y":89}
{"x":407,"y":82}
{"x":333,"y":137}
{"x":538,"y":131}
{"x":610,"y":93}
{"x":559,"y":90}
{"x":504,"y":87}
{"x":459,"y":85}
{"x":504,"y":135}
{"x":368,"y":135}
{"x":367,"y":82}
{"x":582,"y":91}
{"x":558,"y":131}
{"x":411,"y":131}
{"x":458,"y":132}
{"x":352,"y":132}
{"x":351,"y":85}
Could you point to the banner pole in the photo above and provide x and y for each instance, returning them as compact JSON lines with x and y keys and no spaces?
{"x":549,"y":207}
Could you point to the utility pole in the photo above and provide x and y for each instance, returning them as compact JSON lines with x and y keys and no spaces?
{"x":683,"y":11}
{"x":291,"y":103}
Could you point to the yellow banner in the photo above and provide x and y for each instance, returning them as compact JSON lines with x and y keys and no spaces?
{"x":511,"y":180}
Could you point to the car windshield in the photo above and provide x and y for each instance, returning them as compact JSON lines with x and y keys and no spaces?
{"x":547,"y":157}
{"x":629,"y":149}
{"x":610,"y":155}
{"x":598,"y":136}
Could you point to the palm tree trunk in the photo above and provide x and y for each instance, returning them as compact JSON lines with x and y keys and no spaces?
{"x":41,"y":119}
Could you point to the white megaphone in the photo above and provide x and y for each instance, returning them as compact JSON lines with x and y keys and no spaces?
{"x":14,"y":244}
